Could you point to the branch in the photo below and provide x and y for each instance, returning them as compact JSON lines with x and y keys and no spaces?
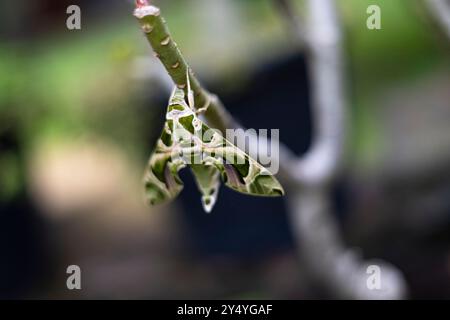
{"x":157,"y":33}
{"x":325,"y":258}
{"x":314,"y":226}
{"x":440,"y":9}
{"x":217,"y":116}
{"x":326,"y":71}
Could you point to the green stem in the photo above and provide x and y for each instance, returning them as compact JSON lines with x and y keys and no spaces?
{"x":165,"y":48}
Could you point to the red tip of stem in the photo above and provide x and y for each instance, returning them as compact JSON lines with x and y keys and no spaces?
{"x":141,"y":3}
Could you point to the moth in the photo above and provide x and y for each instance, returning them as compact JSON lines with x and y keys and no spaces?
{"x":186,"y":141}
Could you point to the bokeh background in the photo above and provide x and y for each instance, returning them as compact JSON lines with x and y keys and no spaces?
{"x":81,"y":110}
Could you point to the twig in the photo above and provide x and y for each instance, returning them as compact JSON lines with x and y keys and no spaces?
{"x":326,"y":259}
{"x":326,"y":72}
{"x":322,"y":248}
{"x":155,"y":28}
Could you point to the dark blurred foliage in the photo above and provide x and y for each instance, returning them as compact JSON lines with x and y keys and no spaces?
{"x":24,"y":242}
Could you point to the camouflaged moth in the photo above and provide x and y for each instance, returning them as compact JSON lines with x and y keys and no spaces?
{"x":188,"y":141}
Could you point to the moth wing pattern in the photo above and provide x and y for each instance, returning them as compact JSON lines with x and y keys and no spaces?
{"x":210,"y":157}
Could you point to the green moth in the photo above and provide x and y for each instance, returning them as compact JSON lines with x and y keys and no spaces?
{"x":186,"y":141}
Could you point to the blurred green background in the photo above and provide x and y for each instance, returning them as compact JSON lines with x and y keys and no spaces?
{"x":75,"y":107}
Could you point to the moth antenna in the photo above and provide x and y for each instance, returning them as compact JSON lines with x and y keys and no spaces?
{"x":190,"y":92}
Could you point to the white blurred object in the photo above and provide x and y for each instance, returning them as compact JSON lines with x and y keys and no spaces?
{"x":441,"y":11}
